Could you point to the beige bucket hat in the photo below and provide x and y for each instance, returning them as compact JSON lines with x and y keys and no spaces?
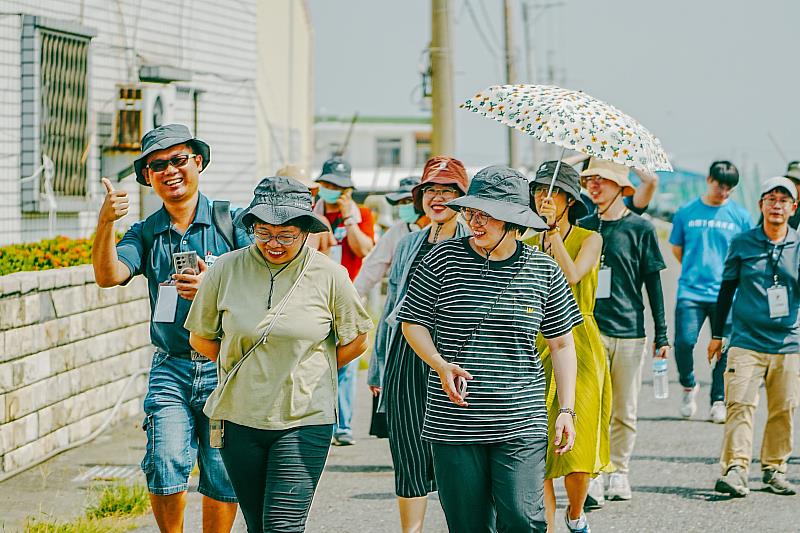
{"x":610,"y":171}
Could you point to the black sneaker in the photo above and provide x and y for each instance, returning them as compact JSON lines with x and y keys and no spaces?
{"x":734,"y":482}
{"x":776,"y":482}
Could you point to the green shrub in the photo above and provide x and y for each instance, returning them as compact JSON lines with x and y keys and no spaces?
{"x":120,"y":499}
{"x":46,"y":254}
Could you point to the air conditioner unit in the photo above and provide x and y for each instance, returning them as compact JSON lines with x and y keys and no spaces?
{"x":141,"y":108}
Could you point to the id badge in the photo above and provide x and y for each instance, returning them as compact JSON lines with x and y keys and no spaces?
{"x":778,"y":299}
{"x":166,"y":303}
{"x":603,"y":283}
{"x":335,"y":253}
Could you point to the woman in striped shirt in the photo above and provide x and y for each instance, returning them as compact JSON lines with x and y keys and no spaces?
{"x":472,"y":312}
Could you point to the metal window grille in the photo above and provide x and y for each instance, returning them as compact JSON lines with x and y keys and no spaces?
{"x":63,"y":124}
{"x":388,"y":152}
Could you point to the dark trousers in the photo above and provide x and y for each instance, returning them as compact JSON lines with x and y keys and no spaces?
{"x":275,"y":473}
{"x":689,"y":318}
{"x":492,"y":487}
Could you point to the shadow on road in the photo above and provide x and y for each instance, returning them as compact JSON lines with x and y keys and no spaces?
{"x":690,"y":493}
{"x":678,"y":459}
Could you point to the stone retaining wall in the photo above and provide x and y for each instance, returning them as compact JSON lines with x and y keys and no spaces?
{"x":67,"y":350}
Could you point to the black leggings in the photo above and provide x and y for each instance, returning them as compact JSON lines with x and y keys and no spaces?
{"x":275,"y":473}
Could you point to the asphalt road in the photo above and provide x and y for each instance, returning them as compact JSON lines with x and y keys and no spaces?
{"x":672,"y":475}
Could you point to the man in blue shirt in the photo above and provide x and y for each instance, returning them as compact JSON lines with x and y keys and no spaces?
{"x":762,"y":271}
{"x":702,"y":230}
{"x":180,"y":379}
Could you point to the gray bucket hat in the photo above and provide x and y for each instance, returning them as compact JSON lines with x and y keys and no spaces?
{"x":793,"y":171}
{"x":337,"y":171}
{"x":502,"y":193}
{"x":403,"y":190}
{"x":276,"y":201}
{"x":568,"y":180}
{"x":164,"y":137}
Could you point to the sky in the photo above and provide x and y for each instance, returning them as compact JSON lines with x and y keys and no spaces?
{"x":713,"y":79}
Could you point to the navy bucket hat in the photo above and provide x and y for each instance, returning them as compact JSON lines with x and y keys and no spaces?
{"x":568,"y":180}
{"x":403,"y":191}
{"x":338,"y":171}
{"x":278,"y":200}
{"x":502,"y":193}
{"x":164,"y":137}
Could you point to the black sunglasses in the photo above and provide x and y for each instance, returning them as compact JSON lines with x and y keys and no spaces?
{"x":160,"y":165}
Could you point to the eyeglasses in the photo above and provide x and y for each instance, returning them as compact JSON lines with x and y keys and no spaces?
{"x":590,"y":179}
{"x":541,"y":190}
{"x":783,"y":202}
{"x":284,"y":239}
{"x":473,"y":215}
{"x":177,"y":161}
{"x":446,"y":193}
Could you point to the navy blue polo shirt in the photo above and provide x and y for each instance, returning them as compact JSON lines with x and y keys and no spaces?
{"x":157,"y":266}
{"x":753,"y":259}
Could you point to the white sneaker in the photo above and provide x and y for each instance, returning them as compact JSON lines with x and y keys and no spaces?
{"x":718,"y":412}
{"x":619,"y":488}
{"x":594,"y":498}
{"x":688,"y":403}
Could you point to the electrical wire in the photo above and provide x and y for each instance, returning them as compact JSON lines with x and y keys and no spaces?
{"x":486,"y":42}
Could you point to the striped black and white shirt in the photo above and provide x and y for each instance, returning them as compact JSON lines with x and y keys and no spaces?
{"x":450,"y":293}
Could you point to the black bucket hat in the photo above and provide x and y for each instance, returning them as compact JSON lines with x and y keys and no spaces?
{"x":337,"y":171}
{"x":568,"y":180}
{"x":403,"y":190}
{"x":276,"y":201}
{"x":502,"y":193}
{"x":164,"y":137}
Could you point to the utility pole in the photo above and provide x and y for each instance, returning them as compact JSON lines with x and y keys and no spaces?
{"x":443,"y":135}
{"x":530,"y":71}
{"x":511,"y":78}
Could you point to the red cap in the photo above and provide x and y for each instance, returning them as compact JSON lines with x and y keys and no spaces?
{"x":443,"y":170}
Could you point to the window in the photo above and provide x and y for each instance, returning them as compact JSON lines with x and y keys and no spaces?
{"x":388,"y":152}
{"x":422,"y":148}
{"x":55,"y":98}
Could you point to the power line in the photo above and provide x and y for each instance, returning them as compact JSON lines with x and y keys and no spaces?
{"x":486,"y":42}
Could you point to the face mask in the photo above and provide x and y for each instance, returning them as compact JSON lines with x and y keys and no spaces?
{"x":408,"y":213}
{"x":329,"y":196}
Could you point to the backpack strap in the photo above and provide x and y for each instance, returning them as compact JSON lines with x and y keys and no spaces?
{"x":221,"y":218}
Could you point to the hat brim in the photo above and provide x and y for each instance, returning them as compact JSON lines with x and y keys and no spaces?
{"x":521,"y":215}
{"x":200,"y":147}
{"x":339,"y":181}
{"x":278,"y":215}
{"x":578,"y":209}
{"x":794,"y":175}
{"x":396,"y":197}
{"x":627,"y":187}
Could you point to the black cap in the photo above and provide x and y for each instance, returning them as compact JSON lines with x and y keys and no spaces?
{"x":337,"y":171}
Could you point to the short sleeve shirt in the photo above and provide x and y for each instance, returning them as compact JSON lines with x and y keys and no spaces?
{"x":290,"y":380}
{"x":704,"y":232}
{"x":755,"y":261}
{"x":453,"y":292}
{"x":630,"y":250}
{"x":156,"y":265}
{"x":350,"y":260}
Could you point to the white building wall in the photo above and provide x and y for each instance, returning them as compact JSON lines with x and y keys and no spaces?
{"x":216,"y":40}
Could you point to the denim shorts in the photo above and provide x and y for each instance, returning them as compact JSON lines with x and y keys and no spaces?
{"x":177,"y":429}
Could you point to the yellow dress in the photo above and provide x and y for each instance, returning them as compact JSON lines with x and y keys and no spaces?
{"x":593,"y":386}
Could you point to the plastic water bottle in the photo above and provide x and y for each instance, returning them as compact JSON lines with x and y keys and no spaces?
{"x":660,"y":379}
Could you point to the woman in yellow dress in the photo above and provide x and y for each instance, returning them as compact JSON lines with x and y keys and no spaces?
{"x":577,"y":251}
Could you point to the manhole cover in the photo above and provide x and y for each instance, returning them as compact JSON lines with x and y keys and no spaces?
{"x":108,"y":473}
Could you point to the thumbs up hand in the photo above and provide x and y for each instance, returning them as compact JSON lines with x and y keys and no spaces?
{"x":115,"y":205}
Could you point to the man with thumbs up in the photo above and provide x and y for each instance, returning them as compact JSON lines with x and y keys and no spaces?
{"x":188,"y":223}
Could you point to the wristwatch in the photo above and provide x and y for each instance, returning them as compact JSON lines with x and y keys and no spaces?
{"x":569,"y":412}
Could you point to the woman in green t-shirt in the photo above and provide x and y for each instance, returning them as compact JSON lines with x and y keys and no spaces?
{"x":280,"y":318}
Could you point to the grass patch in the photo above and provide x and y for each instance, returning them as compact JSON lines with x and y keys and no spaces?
{"x":114,"y":509}
{"x":120,"y":500}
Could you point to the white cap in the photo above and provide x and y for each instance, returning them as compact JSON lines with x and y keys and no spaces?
{"x":782,"y":182}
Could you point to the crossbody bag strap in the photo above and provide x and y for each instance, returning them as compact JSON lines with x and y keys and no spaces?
{"x":268,"y":330}
{"x":488,"y":312}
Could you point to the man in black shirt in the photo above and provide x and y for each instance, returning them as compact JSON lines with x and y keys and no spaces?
{"x":629,"y":259}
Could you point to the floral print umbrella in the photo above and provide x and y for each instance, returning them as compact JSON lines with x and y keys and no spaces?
{"x":572,"y":120}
